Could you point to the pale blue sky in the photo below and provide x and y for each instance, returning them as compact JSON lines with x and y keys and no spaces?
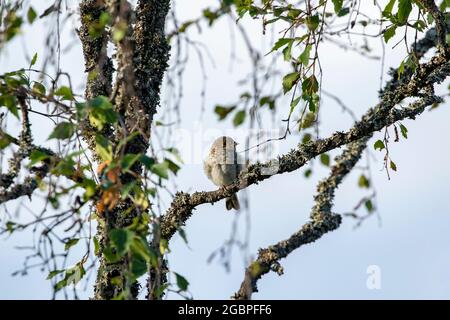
{"x":410,"y":246}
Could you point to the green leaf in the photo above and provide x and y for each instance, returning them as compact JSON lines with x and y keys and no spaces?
{"x":54,"y":273}
{"x":147,"y":161}
{"x":379,"y":145}
{"x":337,"y":5}
{"x":121,"y":239}
{"x":287,"y":52}
{"x":63,"y":130}
{"x":294,"y":104}
{"x":33,"y":60}
{"x":289,"y":80}
{"x":31,"y":15}
{"x":60,"y":284}
{"x":239,"y":118}
{"x":105,"y":18}
{"x":363,"y":182}
{"x":308,"y":173}
{"x":10,"y":102}
{"x":103,"y":148}
{"x":39,"y":88}
{"x":161,"y":170}
{"x":90,"y":187}
{"x":54,"y":202}
{"x":404,"y":131}
{"x":163,"y":246}
{"x":401,"y":69}
{"x":267,"y":100}
{"x":182,"y":283}
{"x":73,"y":276}
{"x":5,"y":140}
{"x":310,"y":85}
{"x":308,"y":120}
{"x":393,"y":165}
{"x":151,"y":192}
{"x":172,"y":166}
{"x":343,"y":12}
{"x":101,"y":112}
{"x":97,"y":28}
{"x":387,"y":12}
{"x":176,"y":153}
{"x":444,"y":5}
{"x":404,"y":9}
{"x":369,"y":205}
{"x":64,"y":92}
{"x":223,"y":111}
{"x":294,"y":13}
{"x":138,"y":267}
{"x":140,"y":247}
{"x":110,"y":255}
{"x":281,"y":43}
{"x":96,"y":246}
{"x":183,"y":235}
{"x":312,"y":100}
{"x":11,"y":226}
{"x":37,"y":156}
{"x":312,"y":22}
{"x":304,"y":57}
{"x":420,"y":25}
{"x":71,"y":243}
{"x":389,"y":33}
{"x":160,"y":290}
{"x":325,"y":159}
{"x":128,"y":161}
{"x":119,"y":31}
{"x":126,"y":189}
{"x":306,"y":137}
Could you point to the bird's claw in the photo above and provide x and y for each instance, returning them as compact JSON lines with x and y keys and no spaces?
{"x":225,"y":188}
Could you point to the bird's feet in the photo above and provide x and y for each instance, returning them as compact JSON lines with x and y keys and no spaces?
{"x":225,"y":188}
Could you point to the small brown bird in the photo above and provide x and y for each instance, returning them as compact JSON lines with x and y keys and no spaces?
{"x":223,"y":165}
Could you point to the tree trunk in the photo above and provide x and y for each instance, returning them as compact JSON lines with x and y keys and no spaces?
{"x":141,"y":57}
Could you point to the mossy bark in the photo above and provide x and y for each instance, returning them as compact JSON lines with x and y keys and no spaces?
{"x":141,"y":59}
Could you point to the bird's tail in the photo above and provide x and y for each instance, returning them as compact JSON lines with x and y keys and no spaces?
{"x":232,"y":202}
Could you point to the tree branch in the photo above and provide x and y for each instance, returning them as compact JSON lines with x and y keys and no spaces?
{"x":440,"y":21}
{"x":382,"y":115}
{"x":322,"y":221}
{"x":97,"y":63}
{"x":30,"y":183}
{"x":26,"y":188}
{"x":142,"y":54}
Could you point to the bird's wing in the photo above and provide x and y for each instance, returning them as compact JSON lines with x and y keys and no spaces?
{"x":207,"y":167}
{"x":227,"y":160}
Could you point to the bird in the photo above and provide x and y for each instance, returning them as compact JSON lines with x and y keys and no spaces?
{"x":223,"y":165}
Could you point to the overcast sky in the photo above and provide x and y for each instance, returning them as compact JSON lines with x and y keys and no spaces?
{"x":409,"y":247}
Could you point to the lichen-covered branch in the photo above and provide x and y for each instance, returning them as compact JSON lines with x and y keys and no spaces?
{"x":440,"y":21}
{"x":24,"y":144}
{"x":10,"y":191}
{"x":98,"y":65}
{"x":322,"y":221}
{"x":141,"y":55}
{"x":26,"y":188}
{"x":419,"y":48}
{"x":382,"y":115}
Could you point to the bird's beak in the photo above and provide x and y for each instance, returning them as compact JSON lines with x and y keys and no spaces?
{"x":235,"y":143}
